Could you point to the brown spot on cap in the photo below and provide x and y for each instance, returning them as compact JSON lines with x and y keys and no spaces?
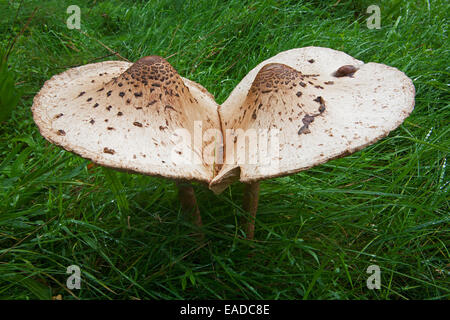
{"x":151,"y":60}
{"x":61,"y":132}
{"x":169,"y":107}
{"x":319,"y":99}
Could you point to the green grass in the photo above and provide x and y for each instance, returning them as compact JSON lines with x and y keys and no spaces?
{"x":317,"y":231}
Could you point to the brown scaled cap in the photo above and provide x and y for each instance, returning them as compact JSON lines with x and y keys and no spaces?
{"x":124,"y":115}
{"x":322,"y":111}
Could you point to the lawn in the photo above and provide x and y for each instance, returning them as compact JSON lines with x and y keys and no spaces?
{"x":317,"y":231}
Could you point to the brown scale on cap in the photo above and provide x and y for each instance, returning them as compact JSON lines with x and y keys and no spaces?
{"x":128,"y":105}
{"x":151,"y":86}
{"x":278,"y":84}
{"x":169,"y":107}
{"x":275,"y":76}
{"x":150,"y":80}
{"x":345,"y":71}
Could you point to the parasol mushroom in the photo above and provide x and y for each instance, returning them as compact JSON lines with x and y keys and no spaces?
{"x":126,"y":116}
{"x":323,"y":103}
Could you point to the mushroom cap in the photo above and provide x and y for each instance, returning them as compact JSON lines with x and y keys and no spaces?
{"x":323,"y":103}
{"x":126,"y":116}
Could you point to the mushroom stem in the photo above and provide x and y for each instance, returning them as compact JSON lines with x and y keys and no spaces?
{"x":188,"y":202}
{"x":250,"y":205}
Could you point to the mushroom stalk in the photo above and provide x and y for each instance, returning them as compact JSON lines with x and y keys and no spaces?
{"x":188,"y":202}
{"x":250,"y":205}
